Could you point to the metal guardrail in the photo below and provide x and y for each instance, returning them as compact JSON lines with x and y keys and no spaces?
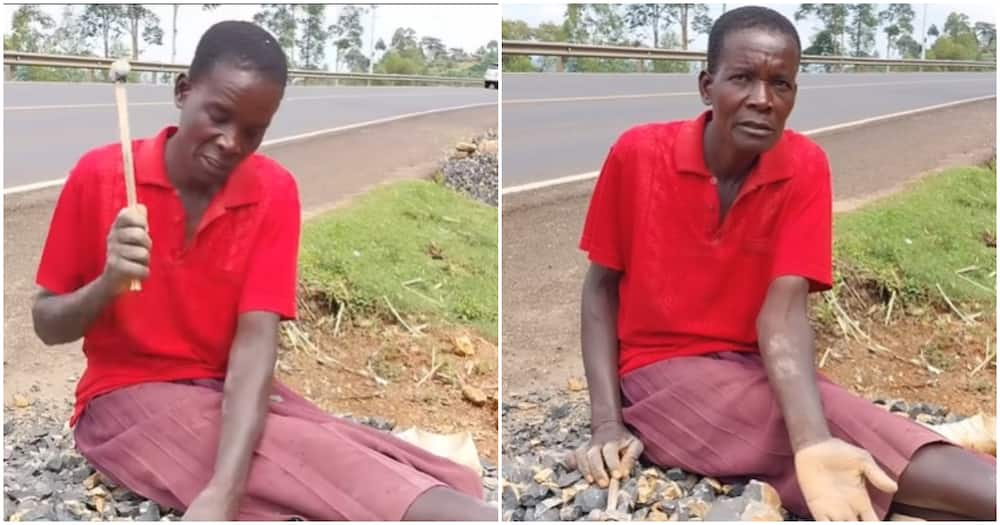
{"x":566,"y":49}
{"x":12,"y":58}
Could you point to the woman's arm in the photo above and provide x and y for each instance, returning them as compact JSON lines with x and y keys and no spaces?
{"x":64,"y":318}
{"x":245,"y":401}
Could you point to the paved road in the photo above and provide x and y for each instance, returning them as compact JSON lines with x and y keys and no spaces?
{"x":49,"y":125}
{"x":545,"y":138}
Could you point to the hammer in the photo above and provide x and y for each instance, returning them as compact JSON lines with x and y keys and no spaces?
{"x":119,"y":74}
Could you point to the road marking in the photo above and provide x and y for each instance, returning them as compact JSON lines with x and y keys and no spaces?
{"x":82,"y":106}
{"x":694,"y":93}
{"x":170,"y":103}
{"x":593,"y":174}
{"x":279,"y":141}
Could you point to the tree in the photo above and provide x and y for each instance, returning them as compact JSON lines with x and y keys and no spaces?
{"x":604,"y":23}
{"x":433,"y":48}
{"x":933,"y":31}
{"x":957,"y":41}
{"x":68,"y":37}
{"x":140,"y":18}
{"x":964,"y":47}
{"x":956,"y":25}
{"x":393,"y":62}
{"x":823,"y":43}
{"x":898,"y":19}
{"x":380,"y":45}
{"x":280,"y":20}
{"x":696,"y":14}
{"x":313,"y":37}
{"x":356,"y":61}
{"x":862,"y":29}
{"x":651,"y":17}
{"x":891,"y":32}
{"x":492,"y":52}
{"x":986,"y":34}
{"x":549,"y":32}
{"x":107,"y":21}
{"x":833,"y":17}
{"x":516,"y":30}
{"x":28,"y":26}
{"x":703,"y":23}
{"x":347,"y":32}
{"x":404,"y":38}
{"x":573,"y":23}
{"x":908,"y":47}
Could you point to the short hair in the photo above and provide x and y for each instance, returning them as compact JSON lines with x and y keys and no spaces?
{"x":748,"y":17}
{"x":241,"y":44}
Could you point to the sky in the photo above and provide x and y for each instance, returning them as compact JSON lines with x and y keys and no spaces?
{"x":535,"y":14}
{"x":478,"y":24}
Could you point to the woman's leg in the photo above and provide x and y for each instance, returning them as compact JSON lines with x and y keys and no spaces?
{"x":949,"y":479}
{"x":447,"y":504}
{"x":160,"y":440}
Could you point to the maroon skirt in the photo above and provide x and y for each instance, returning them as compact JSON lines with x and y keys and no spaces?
{"x":160,"y":440}
{"x":716,"y":415}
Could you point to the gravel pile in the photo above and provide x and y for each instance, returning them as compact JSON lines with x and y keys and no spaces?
{"x":45,"y":479}
{"x":538,"y":485}
{"x":472,"y":169}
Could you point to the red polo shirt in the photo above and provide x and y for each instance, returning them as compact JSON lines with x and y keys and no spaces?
{"x":181,"y":325}
{"x":690,"y":286}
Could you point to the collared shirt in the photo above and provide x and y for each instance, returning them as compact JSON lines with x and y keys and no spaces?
{"x":181,"y":325}
{"x":691,"y":285}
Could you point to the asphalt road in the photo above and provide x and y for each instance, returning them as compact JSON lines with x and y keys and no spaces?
{"x":546,"y":136}
{"x":48,"y":126}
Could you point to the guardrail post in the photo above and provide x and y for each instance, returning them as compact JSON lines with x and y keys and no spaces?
{"x":640,"y":66}
{"x":561,"y":65}
{"x":8,"y":73}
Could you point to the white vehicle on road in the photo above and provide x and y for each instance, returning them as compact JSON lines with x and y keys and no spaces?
{"x":492,"y":77}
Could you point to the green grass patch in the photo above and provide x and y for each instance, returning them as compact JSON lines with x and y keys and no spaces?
{"x":911,"y":242}
{"x":424,"y":247}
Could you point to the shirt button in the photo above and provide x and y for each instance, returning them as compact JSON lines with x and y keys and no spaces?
{"x":714,"y":181}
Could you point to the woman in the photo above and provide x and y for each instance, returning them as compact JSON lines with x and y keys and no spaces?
{"x":178,"y":400}
{"x":705,"y":238}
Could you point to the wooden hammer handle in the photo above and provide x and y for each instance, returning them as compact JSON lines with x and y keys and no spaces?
{"x":126,"y":141}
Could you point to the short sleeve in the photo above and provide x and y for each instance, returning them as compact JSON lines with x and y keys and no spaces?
{"x":804,"y":245}
{"x":61,"y":268}
{"x":604,"y":226}
{"x":272,"y":271}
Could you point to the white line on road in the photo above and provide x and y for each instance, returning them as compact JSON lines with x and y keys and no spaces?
{"x":279,"y":141}
{"x":695,"y":93}
{"x":593,"y":174}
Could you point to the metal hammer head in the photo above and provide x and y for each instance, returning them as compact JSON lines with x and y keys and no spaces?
{"x":120,"y":70}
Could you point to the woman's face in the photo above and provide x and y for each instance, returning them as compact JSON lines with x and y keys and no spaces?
{"x":224,"y":115}
{"x":752,"y":91}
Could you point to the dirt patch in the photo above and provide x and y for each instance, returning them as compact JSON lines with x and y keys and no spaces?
{"x":921,"y":355}
{"x":381,"y":370}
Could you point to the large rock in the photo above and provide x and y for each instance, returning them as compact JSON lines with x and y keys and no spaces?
{"x":591,"y":499}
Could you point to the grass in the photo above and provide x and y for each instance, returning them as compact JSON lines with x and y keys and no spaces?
{"x":427,"y":249}
{"x":914,"y":241}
